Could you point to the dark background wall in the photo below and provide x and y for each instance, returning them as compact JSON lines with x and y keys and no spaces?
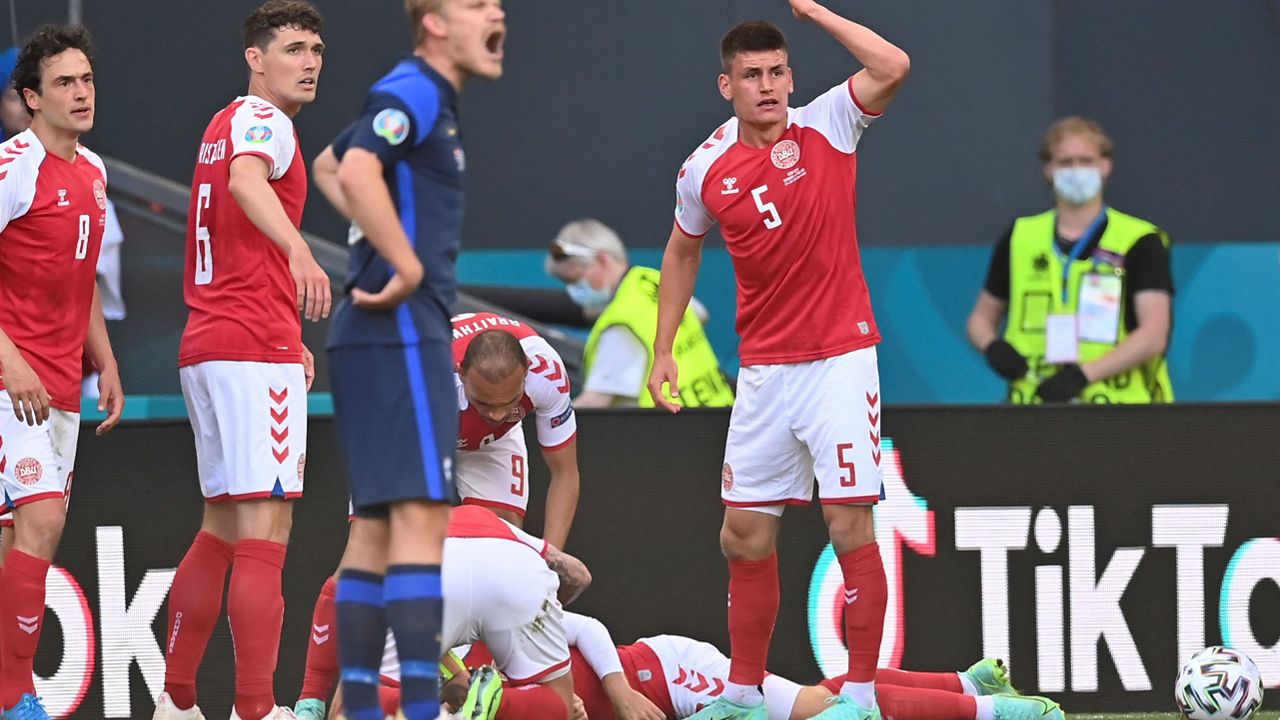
{"x":601,"y":102}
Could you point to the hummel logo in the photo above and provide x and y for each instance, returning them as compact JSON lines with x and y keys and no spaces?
{"x":850,"y":596}
{"x":320,"y":634}
{"x":62,"y":197}
{"x":729,"y":188}
{"x":28,"y":625}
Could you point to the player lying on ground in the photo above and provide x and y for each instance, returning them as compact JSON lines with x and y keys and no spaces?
{"x":505,"y":371}
{"x":671,"y":677}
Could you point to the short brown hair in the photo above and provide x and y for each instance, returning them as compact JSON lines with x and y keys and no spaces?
{"x":261,"y":25}
{"x":48,"y":41}
{"x":750,"y":36}
{"x":418,"y":9}
{"x":1074,"y":125}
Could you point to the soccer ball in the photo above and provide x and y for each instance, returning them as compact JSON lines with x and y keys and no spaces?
{"x":1218,"y":683}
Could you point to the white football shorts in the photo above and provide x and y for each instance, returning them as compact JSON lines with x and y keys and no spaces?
{"x":36,"y":461}
{"x":794,"y":422}
{"x":250,"y":426}
{"x":501,"y":592}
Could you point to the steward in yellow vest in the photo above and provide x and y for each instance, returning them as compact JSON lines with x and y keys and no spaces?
{"x":635,"y":308}
{"x":1083,"y":290}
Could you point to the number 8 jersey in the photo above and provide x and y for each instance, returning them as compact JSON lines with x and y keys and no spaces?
{"x":52,"y":213}
{"x":238,"y":288}
{"x":787,"y":216}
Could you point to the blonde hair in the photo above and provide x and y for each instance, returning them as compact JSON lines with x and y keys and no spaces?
{"x":418,"y":9}
{"x":1074,"y":125}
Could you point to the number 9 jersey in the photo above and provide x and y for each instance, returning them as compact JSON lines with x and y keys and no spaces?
{"x":238,"y":288}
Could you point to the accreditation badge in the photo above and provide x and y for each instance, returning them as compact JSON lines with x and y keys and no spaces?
{"x":1060,"y":344}
{"x":1099,"y":310}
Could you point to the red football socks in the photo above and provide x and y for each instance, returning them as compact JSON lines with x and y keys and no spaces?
{"x":22,"y":608}
{"x":255,"y":609}
{"x":531,"y":702}
{"x":195,"y":603}
{"x":866,"y":593}
{"x":753,"y":610}
{"x":322,"y":649}
{"x":948,"y":681}
{"x":924,"y":704}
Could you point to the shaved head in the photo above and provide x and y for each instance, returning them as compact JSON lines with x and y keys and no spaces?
{"x":495,"y":355}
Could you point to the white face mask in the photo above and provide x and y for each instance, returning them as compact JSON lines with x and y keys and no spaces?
{"x":1077,"y":185}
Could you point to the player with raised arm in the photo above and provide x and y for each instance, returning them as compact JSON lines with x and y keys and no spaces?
{"x":53,"y":203}
{"x":780,"y":182}
{"x":395,"y":405}
{"x":244,"y":370}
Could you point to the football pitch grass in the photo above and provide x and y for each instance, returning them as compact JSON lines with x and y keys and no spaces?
{"x":1260,"y":715}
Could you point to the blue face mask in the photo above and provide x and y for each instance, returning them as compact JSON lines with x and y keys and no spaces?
{"x":587,"y":297}
{"x":1077,"y":185}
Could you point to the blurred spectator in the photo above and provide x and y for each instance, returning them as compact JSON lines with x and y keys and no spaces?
{"x":109,"y":291}
{"x":592,"y":262}
{"x":14,"y":117}
{"x":1085,"y":290}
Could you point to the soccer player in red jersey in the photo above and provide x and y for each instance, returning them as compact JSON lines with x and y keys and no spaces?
{"x":53,"y":200}
{"x":780,"y":182}
{"x":244,"y":370}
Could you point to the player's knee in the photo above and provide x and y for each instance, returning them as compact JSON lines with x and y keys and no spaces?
{"x":850,"y":526}
{"x":739,"y":545}
{"x":268,"y":519}
{"x":38,"y":527}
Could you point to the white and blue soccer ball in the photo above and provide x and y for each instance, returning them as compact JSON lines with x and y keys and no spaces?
{"x":1218,"y":683}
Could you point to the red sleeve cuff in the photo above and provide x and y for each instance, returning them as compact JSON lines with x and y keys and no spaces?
{"x":853,"y":96}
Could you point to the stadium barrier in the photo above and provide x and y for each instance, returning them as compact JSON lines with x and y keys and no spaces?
{"x":1092,"y":547}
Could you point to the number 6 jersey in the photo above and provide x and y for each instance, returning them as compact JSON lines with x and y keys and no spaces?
{"x":787,"y":216}
{"x":52,"y":213}
{"x":241,"y":296}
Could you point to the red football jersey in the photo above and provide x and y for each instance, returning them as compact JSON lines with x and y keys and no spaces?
{"x":242,"y":299}
{"x":787,"y":216}
{"x":546,"y":387}
{"x":52,"y":214}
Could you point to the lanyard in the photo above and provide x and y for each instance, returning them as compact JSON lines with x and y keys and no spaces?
{"x":1078,"y":249}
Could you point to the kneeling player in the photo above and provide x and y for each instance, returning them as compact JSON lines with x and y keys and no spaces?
{"x":505,"y":588}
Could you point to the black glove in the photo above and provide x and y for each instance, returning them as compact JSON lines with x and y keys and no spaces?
{"x":1007,"y":362}
{"x":1063,"y":386}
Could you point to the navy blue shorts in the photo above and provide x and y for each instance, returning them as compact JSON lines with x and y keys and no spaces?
{"x":396,"y":410}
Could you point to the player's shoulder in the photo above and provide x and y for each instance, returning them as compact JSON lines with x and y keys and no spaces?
{"x":717,"y":144}
{"x":412,"y":87}
{"x":21,"y":156}
{"x":94,"y":159}
{"x":260,"y":117}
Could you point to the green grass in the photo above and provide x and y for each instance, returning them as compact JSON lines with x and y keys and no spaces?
{"x":1261,"y":715}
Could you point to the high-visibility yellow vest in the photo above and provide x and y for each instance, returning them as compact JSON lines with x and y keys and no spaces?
{"x":635,"y":307}
{"x":1035,"y":292}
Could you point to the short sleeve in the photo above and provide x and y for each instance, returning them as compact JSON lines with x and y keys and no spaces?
{"x":261,"y":129}
{"x":692,"y":216}
{"x":997,"y":283}
{"x":619,"y":365}
{"x":20,"y":159}
{"x":1147,"y":265}
{"x":837,"y":115}
{"x":548,"y":387}
{"x":399,"y":114}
